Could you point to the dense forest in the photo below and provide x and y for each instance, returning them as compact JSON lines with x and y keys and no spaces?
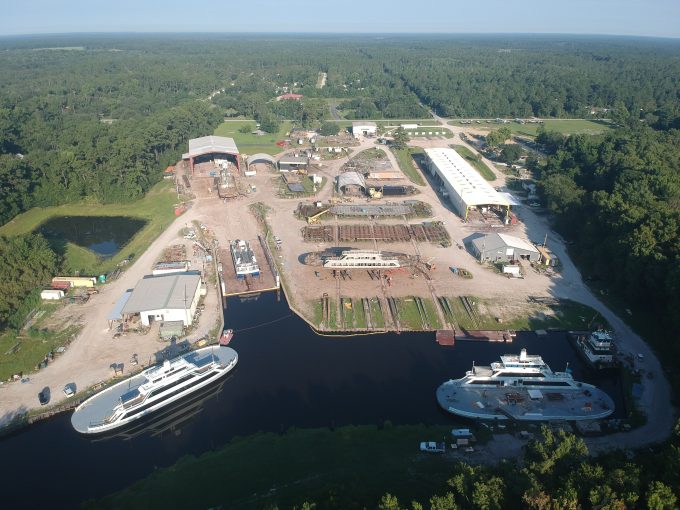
{"x":617,"y":197}
{"x":100,"y":116}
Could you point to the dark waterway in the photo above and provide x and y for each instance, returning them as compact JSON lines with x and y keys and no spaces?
{"x":104,"y":235}
{"x":287,"y":376}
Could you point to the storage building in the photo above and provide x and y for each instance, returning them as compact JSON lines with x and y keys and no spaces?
{"x":462,"y":184}
{"x":75,"y":281}
{"x":364,"y":128}
{"x":52,"y":294}
{"x":211,"y":148}
{"x":503,"y":248}
{"x":172,"y":297}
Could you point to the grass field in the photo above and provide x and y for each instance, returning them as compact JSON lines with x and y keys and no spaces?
{"x":21,"y":351}
{"x":156,"y":208}
{"x":248,"y":143}
{"x":351,"y":467}
{"x":563,"y":315}
{"x":565,"y":126}
{"x":478,"y":165}
{"x":406,"y":164}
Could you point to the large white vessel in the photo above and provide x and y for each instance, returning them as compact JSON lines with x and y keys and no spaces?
{"x":523,"y":388}
{"x":595,"y":347}
{"x":360,"y":259}
{"x":152,"y":389}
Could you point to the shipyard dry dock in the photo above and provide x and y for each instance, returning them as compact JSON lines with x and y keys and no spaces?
{"x":265,"y":279}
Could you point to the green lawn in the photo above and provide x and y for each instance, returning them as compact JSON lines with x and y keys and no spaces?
{"x":407,"y":165}
{"x":156,"y":208}
{"x":563,"y":315}
{"x":248,"y":143}
{"x":376,"y":314}
{"x":22,"y":351}
{"x":566,"y":126}
{"x":478,"y":165}
{"x":350,"y":467}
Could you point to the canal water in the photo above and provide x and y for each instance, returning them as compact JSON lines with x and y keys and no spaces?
{"x":104,"y":235}
{"x":287,"y":376}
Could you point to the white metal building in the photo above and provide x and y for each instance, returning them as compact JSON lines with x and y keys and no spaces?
{"x":504,"y":248}
{"x":172,"y":297}
{"x":464,"y":186}
{"x":364,"y":128}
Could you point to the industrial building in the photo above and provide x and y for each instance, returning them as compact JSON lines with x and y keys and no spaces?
{"x":364,"y":128}
{"x":260,"y":158}
{"x":172,"y":297}
{"x":351,"y":182}
{"x":293,"y":163}
{"x":211,"y":147}
{"x":503,"y":248}
{"x":462,"y":184}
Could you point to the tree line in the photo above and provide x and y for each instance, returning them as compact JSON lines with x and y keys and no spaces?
{"x":617,"y":197}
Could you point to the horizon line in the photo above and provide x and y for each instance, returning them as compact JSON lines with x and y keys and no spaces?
{"x":339,"y":33}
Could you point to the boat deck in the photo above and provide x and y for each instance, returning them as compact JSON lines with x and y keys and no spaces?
{"x":99,"y":407}
{"x":516,"y":402}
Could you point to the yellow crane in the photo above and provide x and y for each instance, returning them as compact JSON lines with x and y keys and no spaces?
{"x":375,"y":192}
{"x":315,"y":218}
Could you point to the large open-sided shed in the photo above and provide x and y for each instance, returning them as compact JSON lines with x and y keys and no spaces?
{"x":211,"y":146}
{"x":465,"y":187}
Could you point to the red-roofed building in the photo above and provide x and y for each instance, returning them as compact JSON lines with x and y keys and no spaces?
{"x":294,"y":97}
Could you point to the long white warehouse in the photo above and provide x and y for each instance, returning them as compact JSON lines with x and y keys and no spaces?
{"x":464,"y":186}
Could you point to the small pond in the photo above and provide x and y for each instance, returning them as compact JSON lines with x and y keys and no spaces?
{"x":104,"y":235}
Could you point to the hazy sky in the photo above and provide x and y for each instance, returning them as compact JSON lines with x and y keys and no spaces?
{"x":621,"y":17}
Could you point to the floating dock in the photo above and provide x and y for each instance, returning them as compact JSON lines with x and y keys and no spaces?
{"x":240,"y":285}
{"x":449,"y":337}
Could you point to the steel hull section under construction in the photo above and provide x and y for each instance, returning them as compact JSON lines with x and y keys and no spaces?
{"x":154,"y":388}
{"x":523,"y":391}
{"x":360,"y":259}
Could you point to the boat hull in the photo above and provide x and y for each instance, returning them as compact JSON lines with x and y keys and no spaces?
{"x":585,"y":402}
{"x":84,"y":427}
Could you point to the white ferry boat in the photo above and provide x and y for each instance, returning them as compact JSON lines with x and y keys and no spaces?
{"x":595,"y":348}
{"x":152,"y":389}
{"x":244,"y":259}
{"x":360,"y":259}
{"x":523,"y":388}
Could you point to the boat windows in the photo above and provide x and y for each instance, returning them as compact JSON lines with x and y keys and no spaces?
{"x":165,"y":397}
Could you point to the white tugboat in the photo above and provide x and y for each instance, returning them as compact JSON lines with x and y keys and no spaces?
{"x":523,"y":388}
{"x":595,"y":348}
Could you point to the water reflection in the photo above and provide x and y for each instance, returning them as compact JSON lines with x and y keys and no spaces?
{"x":169,"y":420}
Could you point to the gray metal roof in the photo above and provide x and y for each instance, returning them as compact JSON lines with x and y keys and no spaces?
{"x":115,"y":314}
{"x":294,"y":160}
{"x":497,"y":241}
{"x":166,"y":292}
{"x":210,"y":144}
{"x":260,"y":157}
{"x":351,"y":179}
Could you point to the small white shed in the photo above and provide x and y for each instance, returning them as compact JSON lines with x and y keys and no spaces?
{"x":52,"y":294}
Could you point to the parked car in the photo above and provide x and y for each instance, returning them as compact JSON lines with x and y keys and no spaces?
{"x":534,"y":204}
{"x":44,"y":396}
{"x":70,"y":389}
{"x":432,"y":447}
